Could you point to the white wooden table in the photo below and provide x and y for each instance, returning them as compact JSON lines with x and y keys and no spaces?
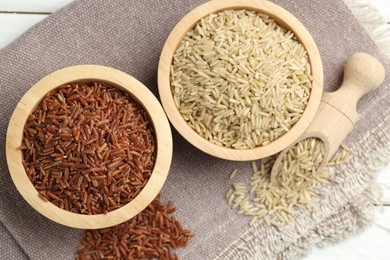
{"x":16,"y":16}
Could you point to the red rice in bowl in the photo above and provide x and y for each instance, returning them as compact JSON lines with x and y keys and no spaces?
{"x":88,"y":148}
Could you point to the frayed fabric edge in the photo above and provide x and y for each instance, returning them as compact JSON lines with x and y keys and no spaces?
{"x":373,"y":23}
{"x":358,"y":176}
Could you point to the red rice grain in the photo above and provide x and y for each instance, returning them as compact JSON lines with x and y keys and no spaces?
{"x":88,"y":148}
{"x":143,"y":237}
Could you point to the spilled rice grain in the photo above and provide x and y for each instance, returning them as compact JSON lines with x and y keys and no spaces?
{"x":275,"y":204}
{"x":153,"y":234}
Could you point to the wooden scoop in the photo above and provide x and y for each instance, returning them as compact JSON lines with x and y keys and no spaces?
{"x":337,"y":113}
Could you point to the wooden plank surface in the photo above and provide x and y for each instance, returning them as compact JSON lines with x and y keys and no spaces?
{"x":29,"y":12}
{"x":383,"y":7}
{"x":13,"y":25}
{"x":17,"y":16}
{"x":371,"y":244}
{"x":32,"y":6}
{"x":384,"y":179}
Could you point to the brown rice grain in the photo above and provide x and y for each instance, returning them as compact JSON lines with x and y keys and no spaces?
{"x":239,"y":72}
{"x":276,"y":204}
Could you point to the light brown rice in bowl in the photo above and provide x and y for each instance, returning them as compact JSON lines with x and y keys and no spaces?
{"x":240,"y":80}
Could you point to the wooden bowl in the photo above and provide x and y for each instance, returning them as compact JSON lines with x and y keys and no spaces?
{"x":85,"y":73}
{"x":284,"y":19}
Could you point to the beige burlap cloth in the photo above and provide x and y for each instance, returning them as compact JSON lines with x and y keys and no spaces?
{"x":129,"y":35}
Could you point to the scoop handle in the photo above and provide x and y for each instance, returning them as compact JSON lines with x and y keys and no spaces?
{"x":337,"y":113}
{"x":362,"y":74}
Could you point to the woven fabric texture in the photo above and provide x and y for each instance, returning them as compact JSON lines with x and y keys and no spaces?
{"x":129,"y":36}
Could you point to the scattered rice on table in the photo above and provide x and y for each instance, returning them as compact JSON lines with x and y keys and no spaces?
{"x":152,"y":234}
{"x":240,"y":80}
{"x":275,"y":204}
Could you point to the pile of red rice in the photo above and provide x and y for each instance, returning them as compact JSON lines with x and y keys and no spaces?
{"x":88,"y":148}
{"x":152,"y":234}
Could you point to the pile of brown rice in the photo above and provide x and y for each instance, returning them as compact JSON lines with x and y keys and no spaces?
{"x":88,"y":148}
{"x":299,"y":165}
{"x":239,"y":79}
{"x":297,"y":186}
{"x":152,"y":234}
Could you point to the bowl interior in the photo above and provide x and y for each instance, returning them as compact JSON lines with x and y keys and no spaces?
{"x":140,"y":94}
{"x":281,"y":17}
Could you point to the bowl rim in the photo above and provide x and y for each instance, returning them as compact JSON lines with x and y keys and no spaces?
{"x":283,"y":18}
{"x":86,"y":73}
